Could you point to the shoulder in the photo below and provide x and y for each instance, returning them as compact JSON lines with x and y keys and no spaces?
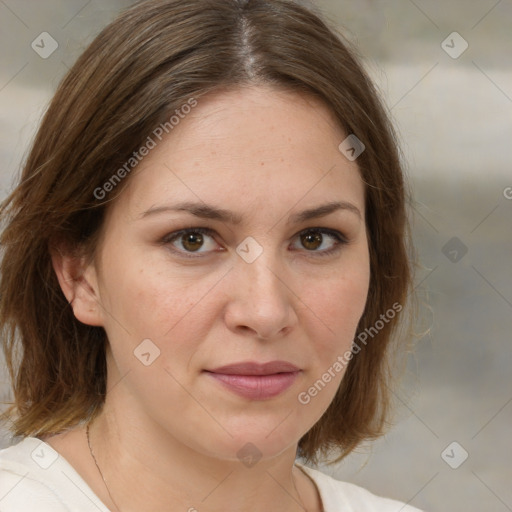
{"x":338,"y":495}
{"x":21,"y":484}
{"x":33,"y":476}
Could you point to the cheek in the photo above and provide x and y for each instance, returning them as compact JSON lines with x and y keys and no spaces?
{"x":345,"y":297}
{"x":340,"y":303}
{"x":153,"y":301}
{"x":137,"y":291}
{"x":339,"y":307}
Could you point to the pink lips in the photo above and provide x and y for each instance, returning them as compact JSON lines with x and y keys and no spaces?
{"x":256,"y":381}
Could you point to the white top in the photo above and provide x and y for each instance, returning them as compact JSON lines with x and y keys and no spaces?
{"x":36,"y":478}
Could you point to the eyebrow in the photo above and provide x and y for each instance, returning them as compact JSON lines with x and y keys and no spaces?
{"x":205,"y":211}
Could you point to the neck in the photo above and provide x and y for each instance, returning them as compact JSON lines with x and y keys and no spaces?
{"x":146,"y":469}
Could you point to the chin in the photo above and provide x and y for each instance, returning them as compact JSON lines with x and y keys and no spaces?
{"x":250,"y":445}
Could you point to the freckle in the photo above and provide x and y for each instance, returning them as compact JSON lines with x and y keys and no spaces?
{"x":262,"y":163}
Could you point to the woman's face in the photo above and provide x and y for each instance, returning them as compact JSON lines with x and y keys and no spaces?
{"x":282,"y":283}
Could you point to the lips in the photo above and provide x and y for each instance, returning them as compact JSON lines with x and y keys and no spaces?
{"x":256,"y":381}
{"x":252,"y":368}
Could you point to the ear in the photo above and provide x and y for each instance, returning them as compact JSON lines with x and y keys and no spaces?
{"x":79,"y":283}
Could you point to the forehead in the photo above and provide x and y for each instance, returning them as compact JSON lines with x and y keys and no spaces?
{"x":256,"y":148}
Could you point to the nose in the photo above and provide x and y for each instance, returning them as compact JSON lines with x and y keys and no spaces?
{"x":261,"y":299}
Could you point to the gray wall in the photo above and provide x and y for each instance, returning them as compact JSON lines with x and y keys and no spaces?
{"x":454,"y":116}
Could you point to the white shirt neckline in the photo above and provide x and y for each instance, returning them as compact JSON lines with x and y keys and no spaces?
{"x":58,"y":487}
{"x":36,"y":458}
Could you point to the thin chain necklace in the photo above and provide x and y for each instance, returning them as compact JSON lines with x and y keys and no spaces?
{"x":108,"y":490}
{"x":99,"y":470}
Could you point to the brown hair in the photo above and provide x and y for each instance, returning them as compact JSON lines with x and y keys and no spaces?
{"x":141,"y":68}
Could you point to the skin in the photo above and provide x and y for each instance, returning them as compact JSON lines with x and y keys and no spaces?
{"x":169,"y":433}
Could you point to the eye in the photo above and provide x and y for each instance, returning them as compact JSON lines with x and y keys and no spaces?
{"x":191,"y":240}
{"x":314,"y":238}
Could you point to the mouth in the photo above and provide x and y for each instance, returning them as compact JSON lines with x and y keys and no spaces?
{"x":256,"y":381}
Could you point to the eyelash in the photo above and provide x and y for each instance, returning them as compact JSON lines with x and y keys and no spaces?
{"x":339,"y":237}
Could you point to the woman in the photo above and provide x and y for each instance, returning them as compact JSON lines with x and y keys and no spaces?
{"x":204,"y":262}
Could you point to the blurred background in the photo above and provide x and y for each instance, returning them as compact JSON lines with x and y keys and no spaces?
{"x":444,"y":70}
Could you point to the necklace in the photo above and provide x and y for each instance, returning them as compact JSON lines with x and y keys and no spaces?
{"x":108,"y":490}
{"x":96,"y":463}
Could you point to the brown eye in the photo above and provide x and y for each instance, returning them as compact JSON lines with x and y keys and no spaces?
{"x":189,"y":241}
{"x":320,"y":241}
{"x":311,"y":240}
{"x":192,"y":241}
